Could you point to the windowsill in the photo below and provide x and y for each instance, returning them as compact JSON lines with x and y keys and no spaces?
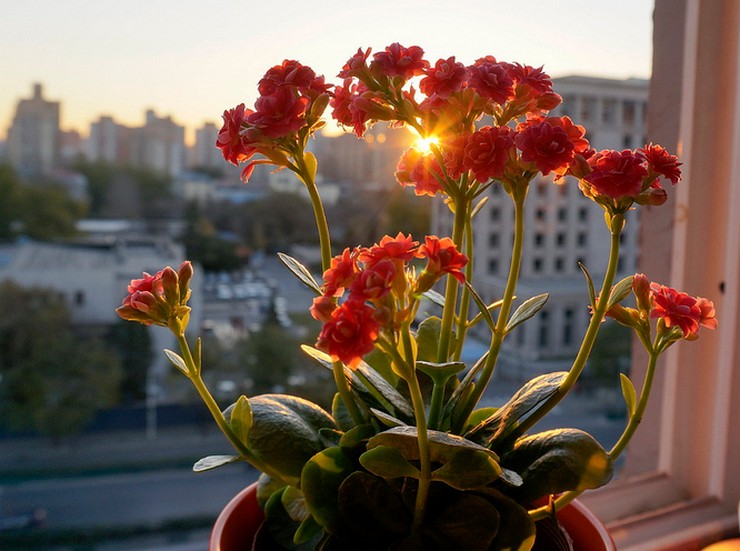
{"x":666,"y":518}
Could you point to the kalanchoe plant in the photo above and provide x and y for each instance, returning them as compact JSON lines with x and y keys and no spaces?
{"x":392,"y":466}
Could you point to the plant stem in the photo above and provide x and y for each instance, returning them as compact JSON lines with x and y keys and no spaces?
{"x":462,"y":319}
{"x":448,"y":314}
{"x":346,"y":393}
{"x":620,"y":445}
{"x":215,"y":411}
{"x":579,"y":363}
{"x":639,"y":412}
{"x":318,"y":209}
{"x":499,"y":331}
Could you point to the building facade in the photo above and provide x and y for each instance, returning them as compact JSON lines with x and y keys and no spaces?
{"x":33,"y":137}
{"x":563,"y":230}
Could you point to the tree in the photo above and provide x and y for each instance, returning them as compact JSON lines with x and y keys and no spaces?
{"x":9,"y":200}
{"x":610,"y":354}
{"x":134,"y":345}
{"x":52,"y":380}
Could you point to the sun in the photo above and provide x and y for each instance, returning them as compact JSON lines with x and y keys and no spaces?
{"x":424,"y":145}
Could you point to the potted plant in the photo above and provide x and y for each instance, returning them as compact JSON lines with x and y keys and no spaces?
{"x":406,"y":458}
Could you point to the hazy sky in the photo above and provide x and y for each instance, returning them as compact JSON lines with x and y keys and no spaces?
{"x":193,"y":59}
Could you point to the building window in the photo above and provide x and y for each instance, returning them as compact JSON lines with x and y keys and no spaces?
{"x":583,"y":214}
{"x":568,"y":315}
{"x":539,"y":239}
{"x":79,"y":298}
{"x":560,"y":239}
{"x":588,"y":108}
{"x":582,"y":239}
{"x":562,"y":214}
{"x":495,"y":214}
{"x":493,"y":266}
{"x":537,"y":265}
{"x":544,"y":333}
{"x":540,"y":214}
{"x":559,"y":264}
{"x":609,"y":111}
{"x":494,"y":240}
{"x":627,"y":141}
{"x":628,"y":112}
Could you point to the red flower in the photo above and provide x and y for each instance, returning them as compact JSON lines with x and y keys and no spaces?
{"x":356,"y":64}
{"x":616,"y":174}
{"x":291,"y":73}
{"x":443,"y":257}
{"x":279,"y":114}
{"x":159,"y":299}
{"x":453,"y":154}
{"x":400,"y":61}
{"x":402,"y":248}
{"x":350,"y":333}
{"x":234,"y":147}
{"x":661,"y":162}
{"x":418,"y":170}
{"x":707,"y":318}
{"x":546,"y":145}
{"x":322,"y":308}
{"x":340,"y":274}
{"x":447,"y":76}
{"x":374,"y":282}
{"x":677,"y":308}
{"x":491,"y":80}
{"x":487,"y":151}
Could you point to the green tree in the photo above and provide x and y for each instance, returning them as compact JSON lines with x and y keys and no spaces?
{"x":610,"y":354}
{"x":53,"y":380}
{"x":10,"y":191}
{"x":134,"y":345}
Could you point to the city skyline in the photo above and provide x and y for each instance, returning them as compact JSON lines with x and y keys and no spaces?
{"x":191,"y":62}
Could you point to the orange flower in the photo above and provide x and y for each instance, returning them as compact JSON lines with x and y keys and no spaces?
{"x":350,"y":333}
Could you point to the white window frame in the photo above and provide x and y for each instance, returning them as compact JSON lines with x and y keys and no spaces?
{"x":688,"y":495}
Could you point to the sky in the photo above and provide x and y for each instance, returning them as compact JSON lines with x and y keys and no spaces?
{"x":191,"y":59}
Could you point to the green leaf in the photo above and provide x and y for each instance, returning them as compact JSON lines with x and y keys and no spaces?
{"x":388,"y":462}
{"x":294,"y":504}
{"x":490,"y":308}
{"x":358,"y":436}
{"x":480,"y":415}
{"x":628,"y":391}
{"x":309,"y":530}
{"x":372,"y":388}
{"x":526,"y":310}
{"x":502,"y":424}
{"x":300,"y":271}
{"x":364,"y":518}
{"x":278,"y":419}
{"x":516,"y":531}
{"x":241,"y":418}
{"x":434,"y":297}
{"x":557,"y":461}
{"x":387,"y":420}
{"x":311,"y":164}
{"x":590,"y":283}
{"x":620,"y":291}
{"x":176,"y":360}
{"x":440,"y":372}
{"x":281,"y":527}
{"x":213,"y":462}
{"x":484,"y":311}
{"x":442,"y":445}
{"x":320,"y":481}
{"x":468,"y":469}
{"x":479,"y":206}
{"x":427,"y":337}
{"x":462,"y":520}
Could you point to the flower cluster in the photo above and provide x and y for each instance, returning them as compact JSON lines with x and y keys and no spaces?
{"x":679,"y":315}
{"x":160,"y":299}
{"x":292,"y":99}
{"x":382,"y":289}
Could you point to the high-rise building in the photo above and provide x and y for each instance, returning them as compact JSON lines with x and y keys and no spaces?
{"x":205,"y":152}
{"x":563,"y":229}
{"x":109,"y":141}
{"x":33,"y":137}
{"x":159,"y":145}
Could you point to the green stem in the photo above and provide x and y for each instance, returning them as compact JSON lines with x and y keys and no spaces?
{"x":462,"y":319}
{"x":639,"y":412}
{"x":619,"y":446}
{"x":318,"y":210}
{"x":215,"y":411}
{"x":579,"y":363}
{"x":499,"y":332}
{"x":448,"y":313}
{"x":346,"y":393}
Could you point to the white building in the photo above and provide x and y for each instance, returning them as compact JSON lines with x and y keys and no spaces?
{"x":562,"y":229}
{"x":93,"y":277}
{"x":205,"y":153}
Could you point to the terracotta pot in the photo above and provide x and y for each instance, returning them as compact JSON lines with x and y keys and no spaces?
{"x":240,"y":519}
